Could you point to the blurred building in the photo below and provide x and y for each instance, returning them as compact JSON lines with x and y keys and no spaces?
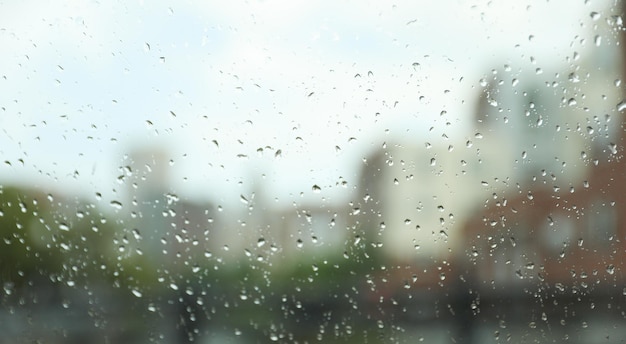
{"x":162,"y":226}
{"x":411,"y":197}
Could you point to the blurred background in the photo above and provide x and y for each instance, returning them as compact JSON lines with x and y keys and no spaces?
{"x":297,"y":172}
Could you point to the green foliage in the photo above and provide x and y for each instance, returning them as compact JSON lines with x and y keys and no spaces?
{"x":60,"y":240}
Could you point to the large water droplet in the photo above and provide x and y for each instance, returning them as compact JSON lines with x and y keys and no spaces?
{"x":610,"y":269}
{"x":116,"y":204}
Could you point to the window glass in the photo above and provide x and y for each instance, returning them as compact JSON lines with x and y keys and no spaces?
{"x":298,"y":172}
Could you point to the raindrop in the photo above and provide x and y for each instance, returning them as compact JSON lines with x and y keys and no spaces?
{"x":260,"y":242}
{"x":621,"y":105}
{"x":610,"y":269}
{"x":64,"y":227}
{"x":594,"y":15}
{"x":136,"y":234}
{"x":136,"y":292}
{"x":316,"y":188}
{"x":116,"y":204}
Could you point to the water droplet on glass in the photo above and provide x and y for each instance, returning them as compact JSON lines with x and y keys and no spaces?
{"x":597,"y":40}
{"x":136,"y":292}
{"x":116,"y":204}
{"x":316,"y":188}
{"x":573,"y":77}
{"x":610,"y":269}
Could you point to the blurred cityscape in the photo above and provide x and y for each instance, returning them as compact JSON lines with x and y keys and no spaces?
{"x":514,"y":233}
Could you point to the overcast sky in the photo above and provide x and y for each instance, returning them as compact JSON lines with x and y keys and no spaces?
{"x":284,"y":94}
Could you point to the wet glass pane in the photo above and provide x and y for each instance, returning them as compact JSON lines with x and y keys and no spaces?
{"x":298,"y":172}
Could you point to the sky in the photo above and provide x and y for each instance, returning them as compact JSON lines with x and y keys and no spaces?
{"x":258,"y":95}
